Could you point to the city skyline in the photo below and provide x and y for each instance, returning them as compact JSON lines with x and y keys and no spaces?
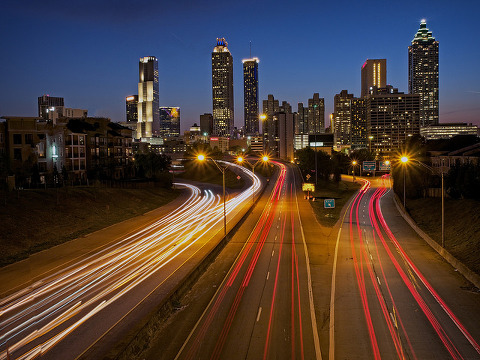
{"x":83,"y":74}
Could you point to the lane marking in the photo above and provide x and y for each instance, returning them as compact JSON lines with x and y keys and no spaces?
{"x":331,"y":348}
{"x":316,"y":340}
{"x":273,"y":252}
{"x":268,"y":275}
{"x":259,"y":313}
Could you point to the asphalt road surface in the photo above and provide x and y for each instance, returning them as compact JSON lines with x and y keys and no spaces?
{"x":393,"y":297}
{"x":94,"y":301}
{"x":264,"y":307}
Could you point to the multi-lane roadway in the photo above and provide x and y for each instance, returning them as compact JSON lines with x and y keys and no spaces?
{"x":389,"y":294}
{"x":62,"y":315}
{"x":392,"y":296}
{"x":264,"y":307}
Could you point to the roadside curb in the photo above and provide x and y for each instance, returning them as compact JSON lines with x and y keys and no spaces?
{"x":452,"y":260}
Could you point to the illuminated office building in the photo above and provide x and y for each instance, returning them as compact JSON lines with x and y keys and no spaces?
{"x":250,"y":96}
{"x":131,"y":103}
{"x":316,"y":114}
{"x":392,"y":117}
{"x":222,"y":89}
{"x":448,"y":130}
{"x":169,"y":122}
{"x":423,"y":73}
{"x":342,"y":117}
{"x":374,"y":73}
{"x":148,"y":98}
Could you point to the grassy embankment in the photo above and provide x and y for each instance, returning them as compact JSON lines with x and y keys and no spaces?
{"x":33,"y":220}
{"x":341,"y":192}
{"x":462,"y":226}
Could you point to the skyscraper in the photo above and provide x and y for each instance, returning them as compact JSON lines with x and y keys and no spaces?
{"x":270,"y":125}
{"x":423,"y":73}
{"x":222,"y":89}
{"x":206,"y":124}
{"x":392,"y":117}
{"x":148,"y":98}
{"x":342,"y":118}
{"x":131,"y":104}
{"x":358,"y":127}
{"x":301,"y":123}
{"x":316,"y":115}
{"x":169,"y":122}
{"x":374,"y":73}
{"x":250,"y":95}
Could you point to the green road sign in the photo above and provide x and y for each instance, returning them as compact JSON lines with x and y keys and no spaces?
{"x":329,"y":203}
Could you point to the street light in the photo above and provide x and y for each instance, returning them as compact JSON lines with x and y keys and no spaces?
{"x":433,"y":171}
{"x":241,"y":160}
{"x":404,"y":160}
{"x":354,"y":162}
{"x":202,"y":157}
{"x":370,"y":138}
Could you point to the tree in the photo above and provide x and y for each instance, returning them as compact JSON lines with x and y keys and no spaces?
{"x":64,"y":174}
{"x":151,"y":165}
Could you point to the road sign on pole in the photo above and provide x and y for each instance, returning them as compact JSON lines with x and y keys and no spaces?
{"x":369,"y":165}
{"x":329,"y":203}
{"x":384,"y":165}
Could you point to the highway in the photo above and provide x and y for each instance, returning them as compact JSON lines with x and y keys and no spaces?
{"x":392,"y":296}
{"x":264,"y":308}
{"x":64,"y":314}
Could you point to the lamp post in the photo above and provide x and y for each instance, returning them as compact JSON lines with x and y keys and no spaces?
{"x":370,"y":138}
{"x":404,"y":160}
{"x":241,"y":160}
{"x":432,"y":170}
{"x":354,"y":162}
{"x":202,"y":157}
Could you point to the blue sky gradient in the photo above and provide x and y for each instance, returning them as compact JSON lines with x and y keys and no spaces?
{"x":88,"y":51}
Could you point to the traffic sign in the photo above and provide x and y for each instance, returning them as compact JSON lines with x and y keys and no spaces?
{"x":384,"y":165}
{"x":308,"y":176}
{"x":308,"y":187}
{"x":329,"y":203}
{"x":369,"y":165}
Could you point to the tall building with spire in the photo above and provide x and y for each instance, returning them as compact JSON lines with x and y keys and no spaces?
{"x":374,"y":74}
{"x":222,"y":89}
{"x":250,"y":95}
{"x":423,"y":73}
{"x":148,"y":98}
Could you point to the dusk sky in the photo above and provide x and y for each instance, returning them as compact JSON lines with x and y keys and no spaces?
{"x":88,"y":51}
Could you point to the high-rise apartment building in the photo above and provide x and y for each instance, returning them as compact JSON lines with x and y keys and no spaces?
{"x":316,"y":115}
{"x":423,"y":73}
{"x":131,"y":103}
{"x":285,"y":135}
{"x":250,"y":95}
{"x":358,"y":127}
{"x":148,"y":98}
{"x":222,"y":89}
{"x":301,"y":123}
{"x":169,"y":122}
{"x":49,"y":105}
{"x":342,"y":117}
{"x":374,"y":73}
{"x":206,"y":124}
{"x":392,"y":117}
{"x":270,"y":125}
